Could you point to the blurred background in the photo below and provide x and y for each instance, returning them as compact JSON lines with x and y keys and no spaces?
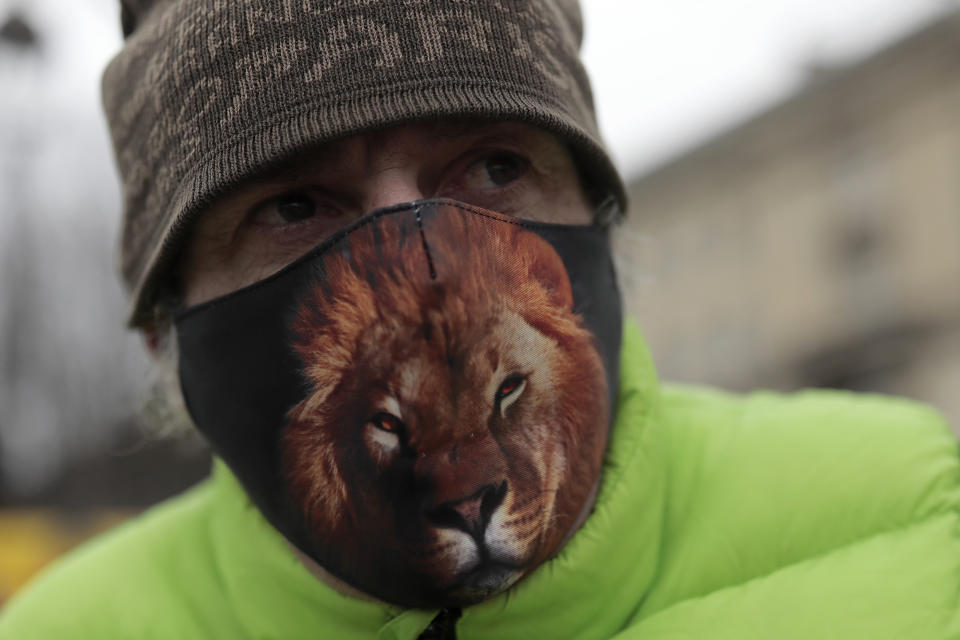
{"x":794,"y":168}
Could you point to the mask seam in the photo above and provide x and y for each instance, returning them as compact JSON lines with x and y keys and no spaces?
{"x":426,"y":247}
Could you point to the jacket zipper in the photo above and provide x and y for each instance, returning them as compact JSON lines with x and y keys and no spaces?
{"x":442,"y":627}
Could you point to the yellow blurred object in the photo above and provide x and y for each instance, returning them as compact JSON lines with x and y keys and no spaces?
{"x":32,"y":538}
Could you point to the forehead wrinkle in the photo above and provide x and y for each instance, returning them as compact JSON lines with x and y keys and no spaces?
{"x":330,"y":158}
{"x":393,"y":147}
{"x":452,"y":130}
{"x":456,"y":130}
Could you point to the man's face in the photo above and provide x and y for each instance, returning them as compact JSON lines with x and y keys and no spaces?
{"x":269,"y":222}
{"x":526,"y":508}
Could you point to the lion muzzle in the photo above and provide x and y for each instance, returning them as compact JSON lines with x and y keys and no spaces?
{"x":471,"y":514}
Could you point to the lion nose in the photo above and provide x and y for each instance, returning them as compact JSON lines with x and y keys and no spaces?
{"x":470,"y":514}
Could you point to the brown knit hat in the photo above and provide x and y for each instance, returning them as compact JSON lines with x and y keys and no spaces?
{"x":206,"y":93}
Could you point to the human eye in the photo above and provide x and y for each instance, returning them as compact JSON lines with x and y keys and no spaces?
{"x":286,"y":224}
{"x":291,"y":208}
{"x":496,"y":179}
{"x":496,"y":170}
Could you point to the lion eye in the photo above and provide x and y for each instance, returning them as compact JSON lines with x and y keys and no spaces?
{"x":508,"y":392}
{"x":387,"y":422}
{"x":508,"y":386}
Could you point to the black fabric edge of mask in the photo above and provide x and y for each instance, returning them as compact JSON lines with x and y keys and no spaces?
{"x":184,"y":315}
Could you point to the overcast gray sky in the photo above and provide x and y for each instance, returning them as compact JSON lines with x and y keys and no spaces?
{"x":668,"y":74}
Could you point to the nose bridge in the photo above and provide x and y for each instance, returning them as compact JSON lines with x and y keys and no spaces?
{"x":392,"y":178}
{"x":463,"y":467}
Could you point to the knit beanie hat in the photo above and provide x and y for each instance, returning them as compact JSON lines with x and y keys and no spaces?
{"x":206,"y":94}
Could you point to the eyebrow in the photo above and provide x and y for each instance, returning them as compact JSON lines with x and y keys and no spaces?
{"x":446,"y":130}
{"x":295,"y":167}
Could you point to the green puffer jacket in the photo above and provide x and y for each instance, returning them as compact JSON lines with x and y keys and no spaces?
{"x":816,"y":515}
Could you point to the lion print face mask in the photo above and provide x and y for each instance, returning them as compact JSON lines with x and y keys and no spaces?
{"x":421,"y":403}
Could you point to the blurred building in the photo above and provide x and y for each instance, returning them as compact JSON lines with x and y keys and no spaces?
{"x":817,"y":244}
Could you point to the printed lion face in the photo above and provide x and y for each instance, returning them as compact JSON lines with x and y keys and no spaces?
{"x":457,"y":413}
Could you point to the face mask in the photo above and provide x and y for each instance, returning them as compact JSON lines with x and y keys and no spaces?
{"x":420,"y":404}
